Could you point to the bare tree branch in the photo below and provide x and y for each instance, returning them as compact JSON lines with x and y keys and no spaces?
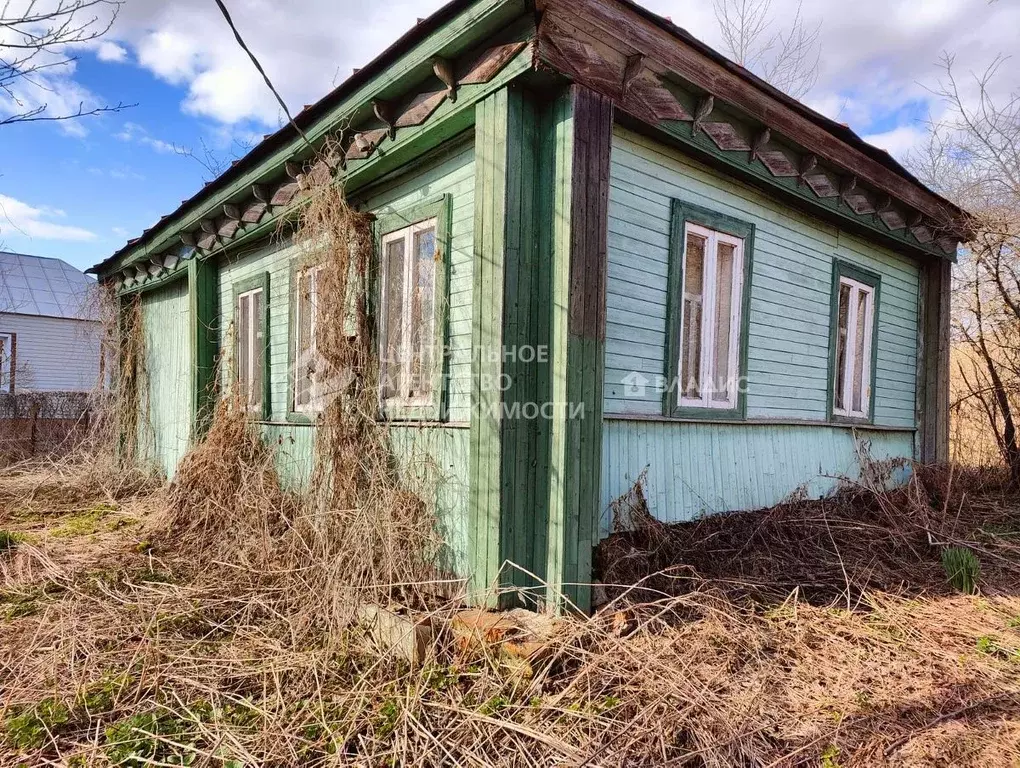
{"x":973,"y":158}
{"x":39,"y":39}
{"x":787,"y":57}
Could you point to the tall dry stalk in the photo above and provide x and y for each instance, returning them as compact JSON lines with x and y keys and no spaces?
{"x":377,"y":533}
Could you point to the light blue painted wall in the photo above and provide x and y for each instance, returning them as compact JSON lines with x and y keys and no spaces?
{"x":696,"y":468}
{"x":790,"y":299}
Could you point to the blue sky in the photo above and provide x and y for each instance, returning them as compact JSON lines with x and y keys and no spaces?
{"x":79,"y":191}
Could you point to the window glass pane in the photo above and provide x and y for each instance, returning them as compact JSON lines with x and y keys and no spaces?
{"x":842,"y":322}
{"x":303,"y":363}
{"x":243,"y":331}
{"x":5,"y":363}
{"x":860,"y":350}
{"x":690,"y":350}
{"x":422,"y":312}
{"x":392,"y":384}
{"x":258,"y":353}
{"x":723,"y":375}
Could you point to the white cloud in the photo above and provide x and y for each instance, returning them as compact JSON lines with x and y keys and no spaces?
{"x":111,"y":52}
{"x":19,"y":218}
{"x":133,"y":132}
{"x":899,"y":142}
{"x":302,"y":45}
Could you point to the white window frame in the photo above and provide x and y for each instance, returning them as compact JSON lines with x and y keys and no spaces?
{"x":847,"y":384}
{"x":405,"y":355}
{"x":313,"y":274}
{"x":708,"y":306}
{"x":7,"y":364}
{"x":254,"y":354}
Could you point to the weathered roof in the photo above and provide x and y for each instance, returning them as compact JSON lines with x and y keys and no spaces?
{"x":314,"y":113}
{"x":37,"y":285}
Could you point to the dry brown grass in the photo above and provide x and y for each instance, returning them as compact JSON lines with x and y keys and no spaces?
{"x":169,"y":655}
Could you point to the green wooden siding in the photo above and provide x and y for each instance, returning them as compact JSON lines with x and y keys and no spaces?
{"x":165,"y":424}
{"x":696,"y":469}
{"x":788,"y":341}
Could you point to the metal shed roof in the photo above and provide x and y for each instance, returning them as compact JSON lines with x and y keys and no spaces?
{"x":36,"y":285}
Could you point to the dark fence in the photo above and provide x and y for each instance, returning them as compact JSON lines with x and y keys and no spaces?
{"x":42,"y":424}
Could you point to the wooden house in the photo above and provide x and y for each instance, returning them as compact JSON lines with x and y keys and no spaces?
{"x":713,"y":282}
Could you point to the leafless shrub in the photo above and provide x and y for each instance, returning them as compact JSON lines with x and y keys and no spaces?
{"x":972,"y":158}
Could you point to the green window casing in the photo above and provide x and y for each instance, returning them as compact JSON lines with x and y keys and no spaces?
{"x":388,"y":224}
{"x":258,"y":282}
{"x":736,"y":236}
{"x":845,"y":276}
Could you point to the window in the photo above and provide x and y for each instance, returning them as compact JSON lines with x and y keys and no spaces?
{"x":308,"y":371}
{"x":854,"y":305}
{"x":250,"y":318}
{"x":7,"y":365}
{"x":407,"y":317}
{"x":709,"y":271}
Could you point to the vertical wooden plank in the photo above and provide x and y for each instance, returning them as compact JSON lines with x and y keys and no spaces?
{"x":933,"y":363}
{"x":203,"y":297}
{"x":578,"y":254}
{"x":504,"y":441}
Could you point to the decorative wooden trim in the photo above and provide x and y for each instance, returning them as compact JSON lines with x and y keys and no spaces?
{"x":705,"y":107}
{"x":361,"y":145}
{"x":490,"y":62}
{"x":386,"y":112}
{"x":445,"y":70}
{"x":627,"y":29}
{"x":631,"y":73}
{"x":587,"y":48}
{"x":420,"y":109}
{"x":759,"y":144}
{"x":807,"y":167}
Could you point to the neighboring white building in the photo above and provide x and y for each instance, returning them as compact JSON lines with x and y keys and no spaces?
{"x":49,"y":326}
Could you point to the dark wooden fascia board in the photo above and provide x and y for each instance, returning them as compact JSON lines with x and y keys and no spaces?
{"x":449,"y":33}
{"x":617,"y":24}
